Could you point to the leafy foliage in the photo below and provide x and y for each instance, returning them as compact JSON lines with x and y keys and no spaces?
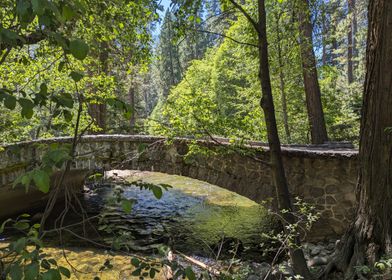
{"x":28,"y":260}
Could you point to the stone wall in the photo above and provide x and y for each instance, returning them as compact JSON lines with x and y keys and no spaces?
{"x":322,"y":176}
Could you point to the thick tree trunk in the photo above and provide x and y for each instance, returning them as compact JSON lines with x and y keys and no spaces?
{"x":312,"y":88}
{"x":369,"y":236}
{"x":277,"y":169}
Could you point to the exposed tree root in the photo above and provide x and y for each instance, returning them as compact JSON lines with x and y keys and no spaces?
{"x":352,"y":253}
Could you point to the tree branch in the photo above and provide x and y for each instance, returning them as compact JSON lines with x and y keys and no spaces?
{"x":246,"y":14}
{"x":3,"y":58}
{"x":29,"y":39}
{"x":225,"y":36}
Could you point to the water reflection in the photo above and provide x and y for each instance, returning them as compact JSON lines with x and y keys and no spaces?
{"x":193,"y":217}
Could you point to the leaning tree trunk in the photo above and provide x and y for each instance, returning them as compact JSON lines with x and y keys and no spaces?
{"x":369,"y":236}
{"x":277,"y":169}
{"x":312,"y":88}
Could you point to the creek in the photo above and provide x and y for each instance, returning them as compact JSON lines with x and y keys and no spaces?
{"x":198,"y":219}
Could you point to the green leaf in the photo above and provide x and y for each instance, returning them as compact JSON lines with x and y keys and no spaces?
{"x":36,"y":241}
{"x":157,"y":191}
{"x":16,"y":272}
{"x":152,"y":273}
{"x":25,"y":215}
{"x":65,"y":100}
{"x":61,"y":66}
{"x":18,"y":245}
{"x":137,"y":272}
{"x":135,"y":262}
{"x":166,"y":186}
{"x":41,"y":180}
{"x":27,"y":107}
{"x":51,"y":274}
{"x":65,"y":271}
{"x":31,"y":271}
{"x":45,"y":20}
{"x":45,"y":264}
{"x":76,"y":76}
{"x":68,"y":13}
{"x":67,"y":115}
{"x":79,"y":49}
{"x":10,"y":102}
{"x":39,"y":6}
{"x":189,"y":273}
{"x":27,"y":113}
{"x":43,"y":89}
{"x":21,"y":225}
{"x":26,"y":180}
{"x":126,"y":205}
{"x":22,"y":8}
{"x":52,"y":261}
{"x":10,"y":36}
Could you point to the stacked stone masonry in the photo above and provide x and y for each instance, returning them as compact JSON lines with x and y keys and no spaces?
{"x":323,"y":176}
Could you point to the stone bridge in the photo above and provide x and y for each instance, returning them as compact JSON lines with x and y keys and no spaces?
{"x":320,"y":175}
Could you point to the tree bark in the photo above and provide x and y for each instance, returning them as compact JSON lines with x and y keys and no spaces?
{"x":324,"y":33}
{"x":277,"y":168}
{"x":350,"y":42}
{"x":312,"y":88}
{"x":282,"y":83}
{"x":98,"y":110}
{"x":369,"y":236}
{"x":132,"y":121}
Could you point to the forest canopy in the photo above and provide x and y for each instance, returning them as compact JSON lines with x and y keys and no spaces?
{"x":190,"y":75}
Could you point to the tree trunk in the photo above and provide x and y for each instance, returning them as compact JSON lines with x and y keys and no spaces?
{"x":98,"y":110}
{"x":350,"y":43}
{"x":132,"y":121}
{"x":324,"y":34}
{"x":355,"y":27}
{"x":282,"y":84}
{"x":369,"y":236}
{"x":312,"y":89}
{"x":277,"y":169}
{"x":334,"y":45}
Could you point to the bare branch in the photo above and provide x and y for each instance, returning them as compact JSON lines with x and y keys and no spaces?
{"x":225,"y":36}
{"x":29,"y":39}
{"x":246,"y":14}
{"x":7,"y":52}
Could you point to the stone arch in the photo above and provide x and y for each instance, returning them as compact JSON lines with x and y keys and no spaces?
{"x":323,"y":176}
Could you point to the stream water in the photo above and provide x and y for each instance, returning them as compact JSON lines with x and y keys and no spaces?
{"x":193,"y":217}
